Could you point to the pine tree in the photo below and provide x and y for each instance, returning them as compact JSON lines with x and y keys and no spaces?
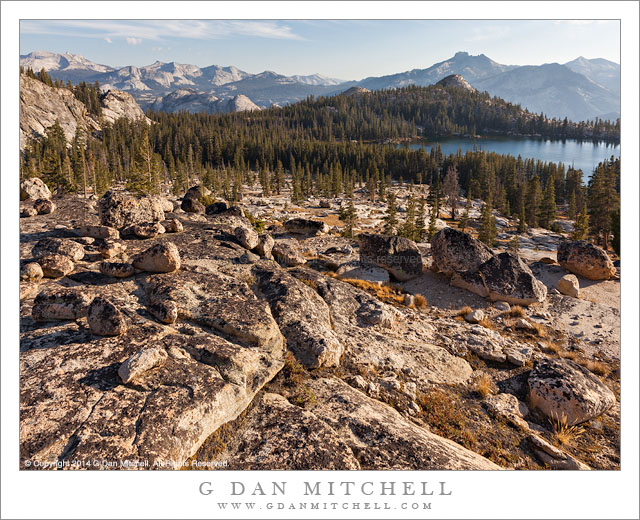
{"x":451,"y":189}
{"x":615,"y":229}
{"x":581,"y":226}
{"x":522,"y":219}
{"x":349,"y":217}
{"x":432,"y":230}
{"x":408,"y":227}
{"x":533,"y":199}
{"x":548,"y":209}
{"x":278,"y":180}
{"x":514,"y":244}
{"x":488,"y":228}
{"x":572,"y":206}
{"x":391,"y":219}
{"x":464,"y":220}
{"x":420,"y":230}
{"x":603,"y":199}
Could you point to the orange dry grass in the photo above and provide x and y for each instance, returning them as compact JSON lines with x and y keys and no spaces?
{"x":484,"y":385}
{"x":563,"y":434}
{"x":517,"y":312}
{"x":487,"y":323}
{"x":464,"y":311}
{"x":597,"y":367}
{"x":540,"y":330}
{"x":388,"y":292}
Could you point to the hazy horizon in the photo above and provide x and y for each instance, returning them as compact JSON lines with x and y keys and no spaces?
{"x":342,"y":49}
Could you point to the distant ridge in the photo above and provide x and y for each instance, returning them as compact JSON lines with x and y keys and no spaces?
{"x":581,"y":89}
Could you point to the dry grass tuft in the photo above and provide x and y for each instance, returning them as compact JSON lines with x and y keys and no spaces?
{"x":539,"y":329}
{"x":597,"y":367}
{"x":464,"y":311}
{"x":483,"y":385}
{"x":552,"y":347}
{"x":443,"y":413}
{"x":387,"y":292}
{"x":563,"y":434}
{"x":421,"y":301}
{"x":568,"y":354}
{"x":311,"y":283}
{"x":517,"y":312}
{"x":487,"y":323}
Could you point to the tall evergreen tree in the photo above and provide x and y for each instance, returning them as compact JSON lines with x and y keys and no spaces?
{"x":451,"y":189}
{"x":391,"y":218}
{"x":548,"y":209}
{"x":488,"y":228}
{"x":581,"y":227}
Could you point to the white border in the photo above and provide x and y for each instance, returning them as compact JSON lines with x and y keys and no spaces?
{"x":174,"y":494}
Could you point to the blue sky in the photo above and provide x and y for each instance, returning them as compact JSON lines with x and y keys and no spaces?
{"x":345,"y":49}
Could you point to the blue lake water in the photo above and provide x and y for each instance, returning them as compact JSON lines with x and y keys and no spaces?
{"x":584,"y":155}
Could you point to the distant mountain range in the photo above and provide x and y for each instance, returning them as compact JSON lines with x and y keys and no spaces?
{"x":580,"y":89}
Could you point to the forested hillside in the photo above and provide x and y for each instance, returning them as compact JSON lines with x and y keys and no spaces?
{"x":328,"y":146}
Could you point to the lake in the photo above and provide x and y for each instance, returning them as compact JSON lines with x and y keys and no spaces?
{"x":584,"y":155}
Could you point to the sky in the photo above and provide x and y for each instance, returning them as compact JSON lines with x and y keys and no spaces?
{"x":343,"y":49}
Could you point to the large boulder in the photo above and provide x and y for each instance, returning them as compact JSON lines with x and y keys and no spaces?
{"x":143,"y":230}
{"x":173,"y":226}
{"x":287,"y":253}
{"x":119,"y":209}
{"x":142,"y":361}
{"x":44,"y":206}
{"x":216,"y":207}
{"x":159,"y":258}
{"x":56,"y":266}
{"x":31,"y":272}
{"x":454,"y":251}
{"x":60,"y":304}
{"x":104,"y":318}
{"x":197,"y":192}
{"x":355,"y":269}
{"x":569,"y":285}
{"x":564,"y":390}
{"x":265,"y":246}
{"x":34,"y":188}
{"x":302,"y":315}
{"x":214,"y":301}
{"x":192,"y":205}
{"x":246,"y":237}
{"x":509,"y":279}
{"x":99,"y":232}
{"x":278,"y":434}
{"x":303,"y":226}
{"x":58,"y":246}
{"x":117,"y":269}
{"x":384,"y":439}
{"x":109,"y":248}
{"x":585,"y":259}
{"x":398,"y":255}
